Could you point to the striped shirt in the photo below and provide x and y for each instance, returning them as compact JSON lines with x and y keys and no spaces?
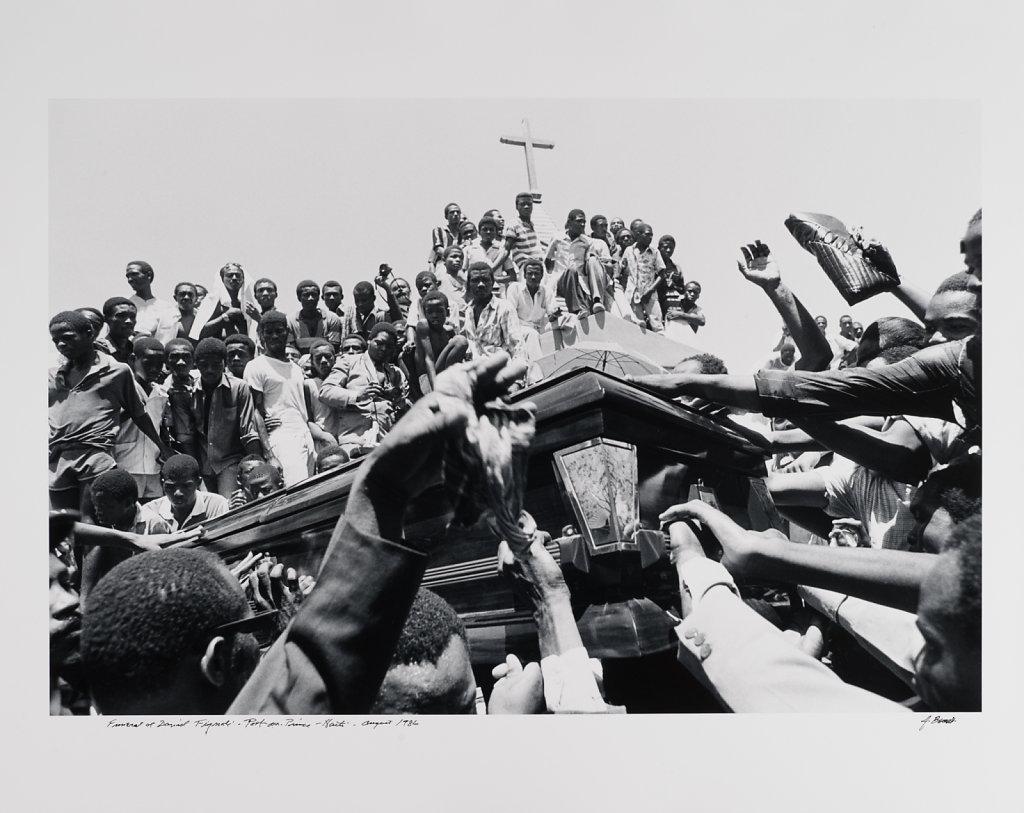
{"x":526,"y":245}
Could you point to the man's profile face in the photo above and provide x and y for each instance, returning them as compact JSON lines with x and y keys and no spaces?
{"x":69,"y":342}
{"x":947,"y":671}
{"x":150,"y":364}
{"x":352,"y":346}
{"x":238,"y":357}
{"x":952,"y":315}
{"x":122,"y":321}
{"x":211,"y":369}
{"x":533,"y":274}
{"x":309,"y":298}
{"x":480,"y":283}
{"x":332,"y":297}
{"x":435,"y":313}
{"x":447,"y":687}
{"x":321,"y":360}
{"x":363,"y":302}
{"x":498,"y":218}
{"x":667,"y":246}
{"x":971,"y":249}
{"x":179,"y":362}
{"x":180,"y":490}
{"x":65,"y":617}
{"x":524,"y":206}
{"x":265,"y":294}
{"x":138,"y":279}
{"x":200,"y":293}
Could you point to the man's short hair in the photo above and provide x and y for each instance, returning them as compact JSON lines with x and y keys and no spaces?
{"x":143,"y":266}
{"x":180,"y":466}
{"x":384,"y":327}
{"x":452,"y":249}
{"x":78,"y":322}
{"x":332,"y":283}
{"x":262,"y":280}
{"x":330,"y":450}
{"x":273,"y":318}
{"x":85,"y":309}
{"x":449,"y":206}
{"x":362,"y":287}
{"x":429,"y":628}
{"x":319,"y":342}
{"x":957,"y":487}
{"x":115,"y":301}
{"x":306,"y":283}
{"x":147,"y":615}
{"x":212,"y":346}
{"x":594,"y":219}
{"x":487,"y":220}
{"x":433,"y":296}
{"x":533,"y":261}
{"x":974,"y":226}
{"x":142,"y":343}
{"x":522,"y":195}
{"x":241,"y":338}
{"x":181,"y":285}
{"x":694,"y":283}
{"x":179,"y":344}
{"x":573,"y":213}
{"x":116,"y":484}
{"x":889,"y":331}
{"x":480,"y":265}
{"x":894,"y":355}
{"x":268,"y":469}
{"x":960,"y":281}
{"x":709,"y":364}
{"x":965,"y":542}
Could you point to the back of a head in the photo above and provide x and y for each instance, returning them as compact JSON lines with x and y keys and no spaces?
{"x":430,"y":671}
{"x":890,"y":331}
{"x":710,"y":364}
{"x":960,"y":281}
{"x":146,"y":617}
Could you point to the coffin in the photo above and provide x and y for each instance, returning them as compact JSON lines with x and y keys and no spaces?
{"x":618,"y":595}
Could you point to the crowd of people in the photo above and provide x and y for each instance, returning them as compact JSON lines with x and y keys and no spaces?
{"x":166,"y":415}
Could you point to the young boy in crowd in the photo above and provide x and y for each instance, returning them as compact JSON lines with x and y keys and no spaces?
{"x":178,"y":419}
{"x":437,"y":345}
{"x":87,"y":396}
{"x":225,"y":417}
{"x":241,"y":350}
{"x":245,"y":467}
{"x":279,"y":396}
{"x":264,"y":479}
{"x":133,"y":451}
{"x":451,"y":275}
{"x":490,"y":324}
{"x":183,"y":504}
{"x":324,"y":426}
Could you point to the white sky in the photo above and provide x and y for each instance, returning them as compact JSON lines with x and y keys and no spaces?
{"x":330,"y":189}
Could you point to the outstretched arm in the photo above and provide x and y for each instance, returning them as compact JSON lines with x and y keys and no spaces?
{"x":889,"y":577}
{"x":897,"y":452}
{"x":758,"y":268}
{"x":878,"y":254}
{"x":730,"y":390}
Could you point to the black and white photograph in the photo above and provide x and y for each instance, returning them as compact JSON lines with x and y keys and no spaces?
{"x":641,"y":422}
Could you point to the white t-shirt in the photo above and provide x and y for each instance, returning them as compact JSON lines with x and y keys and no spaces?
{"x":937,"y":435}
{"x":282,"y":388}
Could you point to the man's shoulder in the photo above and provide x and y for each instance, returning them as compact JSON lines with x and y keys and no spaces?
{"x":158,"y":509}
{"x":212,"y":503}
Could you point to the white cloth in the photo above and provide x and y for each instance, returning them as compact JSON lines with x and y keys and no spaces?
{"x":156,"y":317}
{"x":880,"y":504}
{"x":216,"y":294}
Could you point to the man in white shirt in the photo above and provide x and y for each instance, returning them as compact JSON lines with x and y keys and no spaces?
{"x":155,"y":317}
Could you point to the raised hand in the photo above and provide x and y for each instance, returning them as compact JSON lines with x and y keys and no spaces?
{"x":519,"y":690}
{"x":757,"y":265}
